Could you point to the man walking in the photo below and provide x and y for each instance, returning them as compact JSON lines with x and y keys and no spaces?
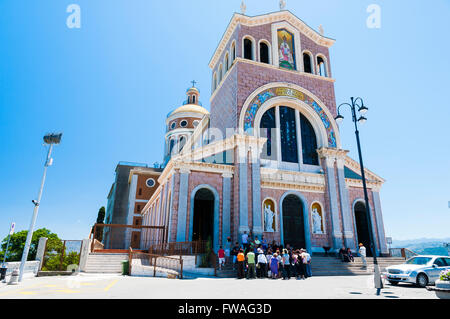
{"x":251,"y":265}
{"x":241,"y":264}
{"x":308,"y":263}
{"x":245,"y":240}
{"x":362,"y":253}
{"x":262,"y":264}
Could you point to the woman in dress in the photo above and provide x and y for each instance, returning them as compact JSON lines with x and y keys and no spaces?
{"x":300,"y":269}
{"x":274,"y":266}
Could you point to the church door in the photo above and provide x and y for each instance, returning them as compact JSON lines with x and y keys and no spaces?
{"x":362,"y":227}
{"x":293,"y":222}
{"x":203,"y":225}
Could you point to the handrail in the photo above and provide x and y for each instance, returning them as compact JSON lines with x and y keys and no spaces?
{"x":402,"y":252}
{"x":179,"y":248}
{"x":165,"y":262}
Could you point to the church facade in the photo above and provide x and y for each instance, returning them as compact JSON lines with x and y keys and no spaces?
{"x":267,"y":158}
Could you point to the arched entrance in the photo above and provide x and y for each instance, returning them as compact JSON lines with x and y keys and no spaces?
{"x":293,"y":222}
{"x":203,"y":222}
{"x":362,"y":226}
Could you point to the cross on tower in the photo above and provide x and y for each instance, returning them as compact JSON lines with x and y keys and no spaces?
{"x":193,"y":83}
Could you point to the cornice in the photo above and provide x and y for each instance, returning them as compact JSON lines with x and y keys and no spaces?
{"x":240,"y":19}
{"x":354,"y":165}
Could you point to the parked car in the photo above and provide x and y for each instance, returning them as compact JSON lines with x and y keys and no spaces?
{"x":418,"y":270}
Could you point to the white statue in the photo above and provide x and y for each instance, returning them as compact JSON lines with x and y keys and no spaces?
{"x":321,"y":30}
{"x":282,"y":4}
{"x":317,"y":219}
{"x":268,"y":219}
{"x":243,"y":7}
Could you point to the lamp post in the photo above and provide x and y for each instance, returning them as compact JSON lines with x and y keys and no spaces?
{"x":358,"y":117}
{"x":49,"y":139}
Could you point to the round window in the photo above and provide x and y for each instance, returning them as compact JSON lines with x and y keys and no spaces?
{"x":173,"y":125}
{"x":183,"y":123}
{"x":195,"y":123}
{"x":150,"y":182}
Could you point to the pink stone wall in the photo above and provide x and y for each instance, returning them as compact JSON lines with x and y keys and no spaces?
{"x":316,"y":240}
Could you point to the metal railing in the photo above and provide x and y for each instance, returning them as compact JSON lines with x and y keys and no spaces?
{"x":157,"y":261}
{"x":121,"y":237}
{"x":402,"y":252}
{"x":61,"y":255}
{"x":189,"y":248}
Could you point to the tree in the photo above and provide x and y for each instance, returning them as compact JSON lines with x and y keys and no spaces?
{"x":18,"y":239}
{"x":100,"y":220}
{"x":101,"y":215}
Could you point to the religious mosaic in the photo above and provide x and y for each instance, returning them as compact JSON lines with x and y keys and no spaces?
{"x":266,"y":95}
{"x":286,"y":50}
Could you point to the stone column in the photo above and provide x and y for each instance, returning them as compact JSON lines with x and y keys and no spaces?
{"x":170,"y":222}
{"x":41,"y":251}
{"x":379,"y":221}
{"x":349,"y":235}
{"x":226,"y":207}
{"x":85,"y":249}
{"x":332,"y":194}
{"x":243,"y":198}
{"x":256,"y":192}
{"x":182,"y":205}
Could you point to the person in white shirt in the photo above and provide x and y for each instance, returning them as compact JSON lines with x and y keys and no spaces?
{"x":261,"y":267}
{"x":362,"y":253}
{"x":308,"y":263}
{"x":245,"y":240}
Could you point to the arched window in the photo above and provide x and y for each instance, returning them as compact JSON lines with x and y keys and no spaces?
{"x":287,"y":143}
{"x":182,"y":142}
{"x":220,"y":74}
{"x":309,"y":142}
{"x":321,"y":67}
{"x":214,"y":82}
{"x":248,"y":49}
{"x":193,"y":99}
{"x":307,"y":63}
{"x":172,"y":145}
{"x":267,"y":125}
{"x":226,"y":63}
{"x":264,"y":53}
{"x":288,"y":134}
{"x":233,"y":52}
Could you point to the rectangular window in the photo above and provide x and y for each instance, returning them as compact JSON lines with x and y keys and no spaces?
{"x":286,"y":50}
{"x":288,"y":129}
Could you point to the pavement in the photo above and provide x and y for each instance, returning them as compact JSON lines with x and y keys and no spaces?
{"x":105,"y":286}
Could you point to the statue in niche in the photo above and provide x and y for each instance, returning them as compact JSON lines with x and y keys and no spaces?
{"x":317,"y":222}
{"x":268,"y":219}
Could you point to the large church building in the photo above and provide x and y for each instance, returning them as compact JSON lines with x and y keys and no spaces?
{"x":267,"y":158}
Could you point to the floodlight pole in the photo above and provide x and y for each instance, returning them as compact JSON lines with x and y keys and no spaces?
{"x":35,"y":213}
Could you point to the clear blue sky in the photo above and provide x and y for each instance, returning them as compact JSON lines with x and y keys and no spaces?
{"x":109,"y":85}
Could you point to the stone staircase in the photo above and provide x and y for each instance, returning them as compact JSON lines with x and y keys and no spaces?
{"x":331,"y":266}
{"x":105,"y":262}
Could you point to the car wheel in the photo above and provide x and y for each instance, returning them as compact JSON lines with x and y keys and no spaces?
{"x":393,"y":283}
{"x":422,"y":280}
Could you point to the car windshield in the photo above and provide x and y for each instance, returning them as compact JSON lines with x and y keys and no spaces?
{"x":418,"y":261}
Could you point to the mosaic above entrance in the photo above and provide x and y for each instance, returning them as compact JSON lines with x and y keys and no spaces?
{"x":260,"y":99}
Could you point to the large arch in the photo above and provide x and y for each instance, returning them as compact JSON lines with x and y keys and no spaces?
{"x":361,"y":226}
{"x":306,"y":218}
{"x":258,"y":99}
{"x":216,"y":213}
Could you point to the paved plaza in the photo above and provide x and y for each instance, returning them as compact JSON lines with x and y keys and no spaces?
{"x":116,"y":286}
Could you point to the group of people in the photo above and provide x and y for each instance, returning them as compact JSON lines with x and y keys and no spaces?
{"x":345,"y":254}
{"x":258,"y":259}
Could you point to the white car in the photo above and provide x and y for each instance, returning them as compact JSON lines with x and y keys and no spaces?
{"x":419,"y":270}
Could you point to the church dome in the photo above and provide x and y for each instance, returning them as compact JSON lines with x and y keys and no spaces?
{"x":190,"y":108}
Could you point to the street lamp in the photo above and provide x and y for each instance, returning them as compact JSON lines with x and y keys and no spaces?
{"x":49,"y":139}
{"x":358,"y":117}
